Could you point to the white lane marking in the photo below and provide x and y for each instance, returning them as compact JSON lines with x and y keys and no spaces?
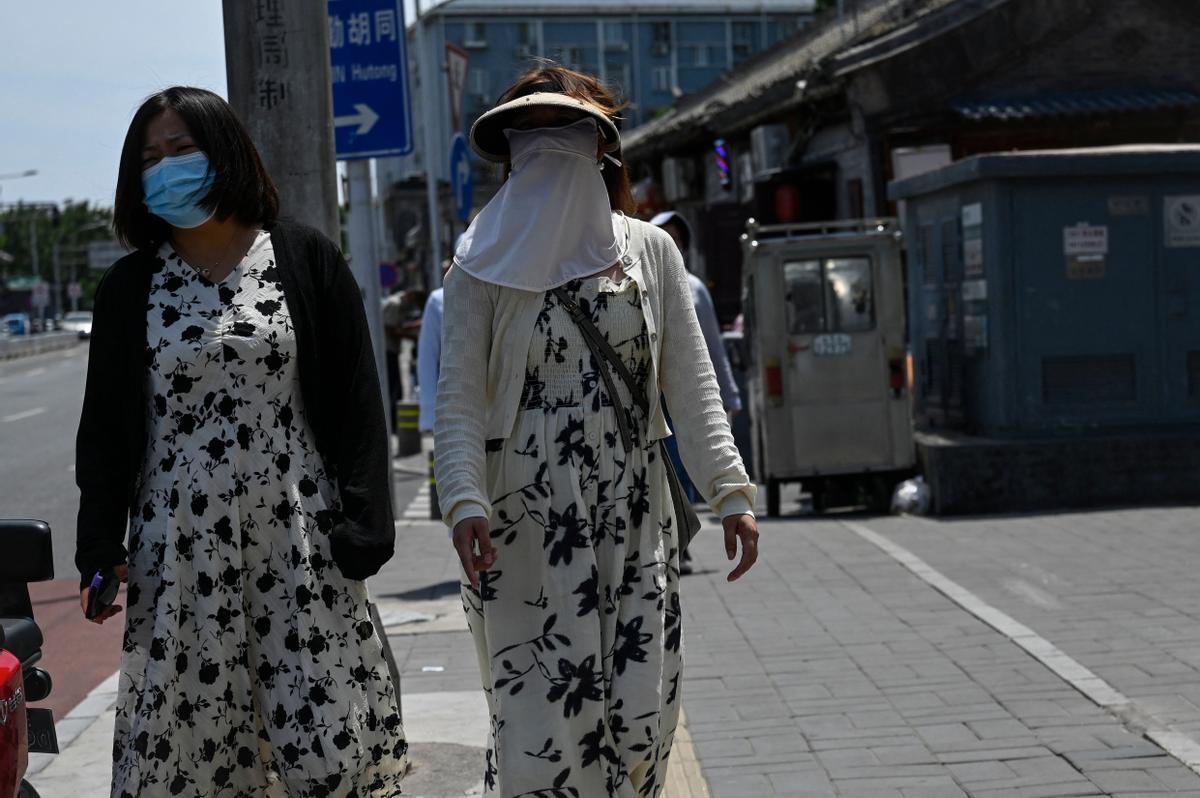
{"x":1104,"y":695}
{"x":37,"y":372}
{"x":418,"y":509}
{"x":37,"y":411}
{"x":1032,"y":594}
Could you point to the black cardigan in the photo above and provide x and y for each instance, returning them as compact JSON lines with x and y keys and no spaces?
{"x":338,"y":384}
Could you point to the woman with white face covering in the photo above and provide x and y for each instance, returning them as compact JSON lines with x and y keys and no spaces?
{"x":549,"y":465}
{"x":232,"y":414}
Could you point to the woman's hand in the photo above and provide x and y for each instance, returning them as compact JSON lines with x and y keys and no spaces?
{"x":474,"y":546}
{"x":745,"y":528}
{"x":122,"y":573}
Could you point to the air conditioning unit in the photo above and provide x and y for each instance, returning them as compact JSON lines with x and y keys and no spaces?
{"x":524,"y":51}
{"x":768,"y":149}
{"x":661,"y":48}
{"x":616,"y":47}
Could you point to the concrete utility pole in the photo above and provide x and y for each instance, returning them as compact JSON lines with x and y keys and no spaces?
{"x":364,"y":260}
{"x":277,"y":63}
{"x":430,"y":73}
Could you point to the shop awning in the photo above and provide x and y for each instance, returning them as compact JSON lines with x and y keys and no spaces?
{"x":1074,"y":104}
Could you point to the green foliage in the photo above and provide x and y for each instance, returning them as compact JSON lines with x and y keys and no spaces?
{"x":69,"y":225}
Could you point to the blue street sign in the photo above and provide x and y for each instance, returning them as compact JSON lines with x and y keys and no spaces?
{"x":461,"y":178}
{"x":371,"y":113}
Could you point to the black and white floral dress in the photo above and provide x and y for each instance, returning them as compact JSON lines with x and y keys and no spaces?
{"x":577,"y":627}
{"x":251,"y":666}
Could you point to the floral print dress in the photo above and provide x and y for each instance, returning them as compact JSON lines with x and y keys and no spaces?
{"x":250,"y":665}
{"x":577,"y":626}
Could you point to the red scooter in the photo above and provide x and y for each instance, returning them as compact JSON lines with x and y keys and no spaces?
{"x":27,"y":557}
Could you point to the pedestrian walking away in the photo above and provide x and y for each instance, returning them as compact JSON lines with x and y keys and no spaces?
{"x":731,"y":397}
{"x":549,"y":472}
{"x":232,"y":412}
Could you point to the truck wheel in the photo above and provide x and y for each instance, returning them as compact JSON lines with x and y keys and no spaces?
{"x":773,"y":498}
{"x":880,"y":494}
{"x":820,"y":498}
{"x":27,"y":790}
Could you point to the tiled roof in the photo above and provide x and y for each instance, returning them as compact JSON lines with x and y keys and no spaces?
{"x":507,"y":7}
{"x":1074,"y":104}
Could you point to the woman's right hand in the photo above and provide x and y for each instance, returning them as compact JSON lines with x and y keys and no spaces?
{"x":122,"y":573}
{"x":473,"y":543}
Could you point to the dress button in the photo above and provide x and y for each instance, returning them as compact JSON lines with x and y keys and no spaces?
{"x":626,"y":260}
{"x":592,"y":437}
{"x":654,"y":336}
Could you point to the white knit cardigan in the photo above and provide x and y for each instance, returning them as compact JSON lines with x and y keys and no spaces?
{"x":486,"y":332}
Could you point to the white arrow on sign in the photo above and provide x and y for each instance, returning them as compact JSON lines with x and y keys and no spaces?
{"x":364,"y":116}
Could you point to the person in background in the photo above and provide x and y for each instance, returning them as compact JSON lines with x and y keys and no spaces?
{"x":429,"y":356}
{"x":393,"y":337}
{"x":231,"y":416}
{"x":731,"y":397}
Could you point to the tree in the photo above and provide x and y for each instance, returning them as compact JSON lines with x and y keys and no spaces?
{"x":70,"y":225}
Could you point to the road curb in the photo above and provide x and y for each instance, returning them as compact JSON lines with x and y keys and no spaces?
{"x":26,"y":345}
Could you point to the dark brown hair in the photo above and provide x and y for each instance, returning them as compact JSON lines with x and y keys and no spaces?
{"x":560,"y":80}
{"x":243,"y":189}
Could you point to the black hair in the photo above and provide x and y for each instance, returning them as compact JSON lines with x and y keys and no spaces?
{"x":685,"y":231}
{"x":242,"y":189}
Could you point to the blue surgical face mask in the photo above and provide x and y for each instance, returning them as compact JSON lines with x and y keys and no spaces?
{"x":175,"y":186}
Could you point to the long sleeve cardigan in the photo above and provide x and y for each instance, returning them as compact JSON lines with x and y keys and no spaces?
{"x":486,"y":331}
{"x":338,"y":385}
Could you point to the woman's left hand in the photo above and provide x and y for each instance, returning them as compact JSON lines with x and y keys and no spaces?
{"x":745,"y":528}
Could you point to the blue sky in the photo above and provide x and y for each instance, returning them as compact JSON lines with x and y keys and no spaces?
{"x":73,"y":73}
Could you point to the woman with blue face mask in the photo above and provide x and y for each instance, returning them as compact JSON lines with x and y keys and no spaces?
{"x":232,"y":416}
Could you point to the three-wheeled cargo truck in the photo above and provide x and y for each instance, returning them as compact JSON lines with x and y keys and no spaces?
{"x":828,"y":376}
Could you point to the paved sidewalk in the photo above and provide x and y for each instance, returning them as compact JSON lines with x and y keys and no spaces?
{"x":833,"y":670}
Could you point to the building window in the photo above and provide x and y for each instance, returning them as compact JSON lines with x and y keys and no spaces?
{"x":660,"y":38}
{"x":476,"y":35}
{"x":745,"y":38}
{"x":662,"y":78}
{"x":615,"y":38}
{"x":478,"y":84}
{"x":701,"y":56}
{"x":570,"y":56}
{"x":527,"y":33}
{"x":616,"y":72}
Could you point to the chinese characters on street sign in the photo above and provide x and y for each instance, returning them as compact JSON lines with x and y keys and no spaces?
{"x":371,"y":113}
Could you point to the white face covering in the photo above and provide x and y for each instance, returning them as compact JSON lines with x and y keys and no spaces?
{"x":551,"y":221}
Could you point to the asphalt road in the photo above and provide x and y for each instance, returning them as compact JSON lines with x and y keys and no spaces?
{"x":40,"y":399}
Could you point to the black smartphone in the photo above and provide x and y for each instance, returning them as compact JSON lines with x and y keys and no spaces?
{"x":102,"y":592}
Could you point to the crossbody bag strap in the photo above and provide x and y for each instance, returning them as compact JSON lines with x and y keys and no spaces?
{"x":600,"y":349}
{"x":685,"y":515}
{"x":598,"y":341}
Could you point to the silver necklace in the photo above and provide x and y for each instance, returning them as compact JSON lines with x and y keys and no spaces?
{"x":206,"y":272}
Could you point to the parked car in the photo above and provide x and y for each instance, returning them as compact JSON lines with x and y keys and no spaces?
{"x":78,"y":321}
{"x":17,"y":324}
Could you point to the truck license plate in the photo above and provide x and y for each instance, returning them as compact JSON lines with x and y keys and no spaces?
{"x":42,"y":737}
{"x":831,"y":344}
